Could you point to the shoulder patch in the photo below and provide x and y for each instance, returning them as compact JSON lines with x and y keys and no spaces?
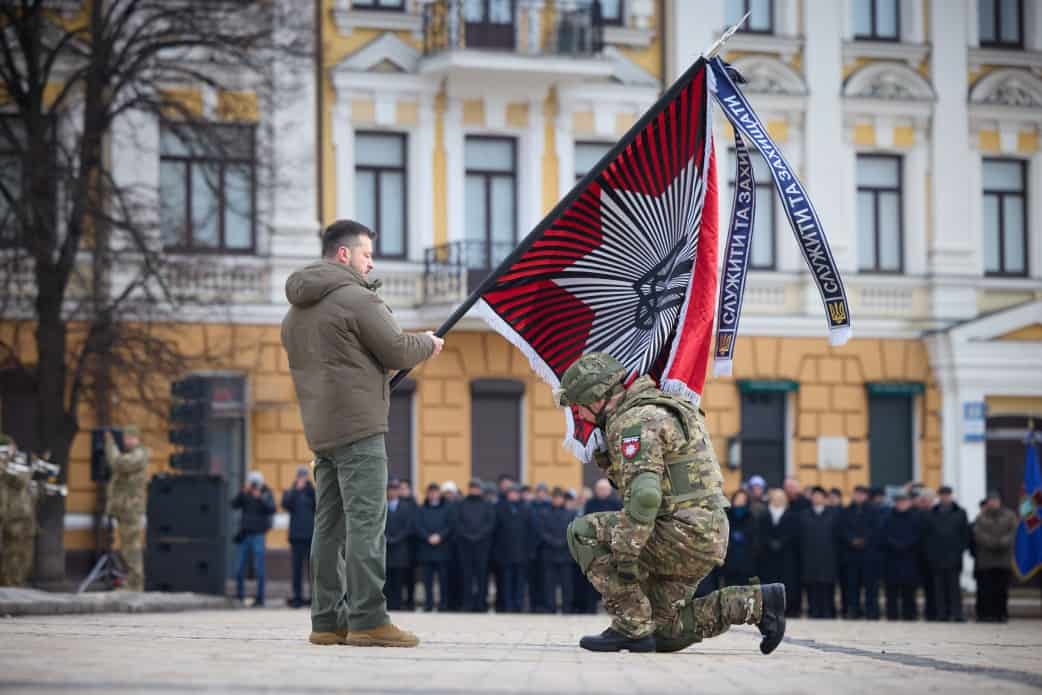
{"x":630,"y":444}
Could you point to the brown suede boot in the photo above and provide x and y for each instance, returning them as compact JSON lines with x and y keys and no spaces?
{"x":383,"y":636}
{"x":327,"y":638}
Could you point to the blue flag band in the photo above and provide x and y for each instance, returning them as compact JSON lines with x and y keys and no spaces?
{"x":803,"y":219}
{"x":1027,"y":553}
{"x":736,"y":259}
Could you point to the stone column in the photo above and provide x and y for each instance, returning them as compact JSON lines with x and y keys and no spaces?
{"x":953,"y":252}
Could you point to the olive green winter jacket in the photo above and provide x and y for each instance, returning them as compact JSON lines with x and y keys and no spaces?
{"x":341,"y":341}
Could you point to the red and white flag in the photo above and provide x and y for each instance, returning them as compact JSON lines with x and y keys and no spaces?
{"x":627,"y":261}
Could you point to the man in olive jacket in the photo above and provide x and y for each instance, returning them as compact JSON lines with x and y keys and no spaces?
{"x":341,"y":341}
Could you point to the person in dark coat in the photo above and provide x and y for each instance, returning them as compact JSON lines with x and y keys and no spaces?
{"x":857,"y":529}
{"x":995,"y":533}
{"x":923,"y":499}
{"x":604,"y":500}
{"x":511,"y":550}
{"x":474,"y":522}
{"x":503,"y":485}
{"x":433,"y":529}
{"x":742,"y":542}
{"x":818,"y":535}
{"x":399,"y":544}
{"x":901,"y":531}
{"x":405,"y":497}
{"x":946,"y":535}
{"x":555,"y":558}
{"x":835,"y":503}
{"x":258,"y":507}
{"x":451,"y":497}
{"x":779,"y":556}
{"x":874,"y":553}
{"x":540,"y":502}
{"x":299,"y":501}
{"x":797,"y":501}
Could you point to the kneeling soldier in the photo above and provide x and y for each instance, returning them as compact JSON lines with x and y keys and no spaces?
{"x":647,"y":560}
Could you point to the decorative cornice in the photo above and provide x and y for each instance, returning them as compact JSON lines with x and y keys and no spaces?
{"x":347,"y":20}
{"x":388,"y":48}
{"x":784,"y":46}
{"x":1009,"y":87}
{"x":913,"y":54}
{"x":769,"y":76}
{"x":888,"y":81}
{"x":979,"y":57}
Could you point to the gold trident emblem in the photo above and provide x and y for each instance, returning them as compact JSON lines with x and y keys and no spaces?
{"x":838,"y":311}
{"x":725,"y":344}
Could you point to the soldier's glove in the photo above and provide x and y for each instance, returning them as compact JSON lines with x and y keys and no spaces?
{"x":627,"y":569}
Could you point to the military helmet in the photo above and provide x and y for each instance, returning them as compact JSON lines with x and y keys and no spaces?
{"x":589,"y":379}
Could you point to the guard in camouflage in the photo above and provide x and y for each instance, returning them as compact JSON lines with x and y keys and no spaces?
{"x":18,"y":518}
{"x":647,"y":560}
{"x":126,"y":499}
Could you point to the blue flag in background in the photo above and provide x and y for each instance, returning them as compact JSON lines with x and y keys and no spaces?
{"x":1027,"y":556}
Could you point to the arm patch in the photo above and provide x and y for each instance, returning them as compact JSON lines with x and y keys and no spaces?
{"x":630,"y":446}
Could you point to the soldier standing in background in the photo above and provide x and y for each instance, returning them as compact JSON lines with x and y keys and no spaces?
{"x":19,"y":523}
{"x":7,"y":450}
{"x":126,"y":499}
{"x":648,"y":559}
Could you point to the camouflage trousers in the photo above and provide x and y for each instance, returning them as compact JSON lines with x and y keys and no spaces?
{"x":16,"y":559}
{"x":130,"y":547}
{"x":681,"y":551}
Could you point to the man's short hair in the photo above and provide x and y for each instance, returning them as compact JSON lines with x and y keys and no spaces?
{"x":343,"y":233}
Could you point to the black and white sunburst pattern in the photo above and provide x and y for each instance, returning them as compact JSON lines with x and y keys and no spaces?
{"x":636,"y":280}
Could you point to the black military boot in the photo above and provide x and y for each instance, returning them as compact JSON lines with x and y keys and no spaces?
{"x":614,"y":641}
{"x":772,"y":622}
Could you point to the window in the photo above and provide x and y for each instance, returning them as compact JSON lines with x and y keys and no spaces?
{"x":890,"y":439}
{"x":489,"y":23}
{"x":399,"y":431}
{"x":380,"y":190}
{"x":761,"y":15}
{"x":1000,"y":22}
{"x":10,"y":182}
{"x":207,"y":188}
{"x":14,"y":179}
{"x":879,"y":213}
{"x":378,"y":5}
{"x":763,"y":435}
{"x":491,"y":199}
{"x":761,"y":256}
{"x":877,"y":20}
{"x":1004,"y":208}
{"x":612,"y":11}
{"x":587,"y":154}
{"x":495,"y":428}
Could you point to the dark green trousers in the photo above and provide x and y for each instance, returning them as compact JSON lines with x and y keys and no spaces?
{"x":348,"y":549}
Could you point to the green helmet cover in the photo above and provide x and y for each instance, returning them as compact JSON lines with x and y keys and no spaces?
{"x":589,"y":379}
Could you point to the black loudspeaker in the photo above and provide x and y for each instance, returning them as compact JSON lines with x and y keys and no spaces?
{"x":177,"y":564}
{"x":187,"y":507}
{"x":99,"y":466}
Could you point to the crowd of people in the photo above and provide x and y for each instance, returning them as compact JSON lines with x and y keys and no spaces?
{"x":911,"y":543}
{"x":873,"y":556}
{"x":453,"y":542}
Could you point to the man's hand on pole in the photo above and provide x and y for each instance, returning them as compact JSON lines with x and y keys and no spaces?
{"x":439,"y":343}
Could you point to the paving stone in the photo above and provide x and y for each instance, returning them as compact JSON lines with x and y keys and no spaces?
{"x":265,"y":650}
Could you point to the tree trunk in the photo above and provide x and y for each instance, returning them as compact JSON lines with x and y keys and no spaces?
{"x":55,"y":425}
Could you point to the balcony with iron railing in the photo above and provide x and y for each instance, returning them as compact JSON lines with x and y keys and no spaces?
{"x":563,"y":39}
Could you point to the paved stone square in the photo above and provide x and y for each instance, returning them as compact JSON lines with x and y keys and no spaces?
{"x":265,"y":650}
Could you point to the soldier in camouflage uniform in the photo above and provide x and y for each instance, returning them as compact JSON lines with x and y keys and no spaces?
{"x":19,"y":524}
{"x":126,"y":499}
{"x":647,"y":560}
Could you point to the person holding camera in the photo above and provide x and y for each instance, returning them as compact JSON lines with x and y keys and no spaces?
{"x":258,"y":507}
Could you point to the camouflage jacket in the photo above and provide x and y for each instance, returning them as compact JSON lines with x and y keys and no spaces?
{"x":641,"y":434}
{"x":126,"y":491}
{"x":20,"y":502}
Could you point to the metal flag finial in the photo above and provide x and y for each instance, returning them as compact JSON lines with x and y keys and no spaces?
{"x":719,"y":43}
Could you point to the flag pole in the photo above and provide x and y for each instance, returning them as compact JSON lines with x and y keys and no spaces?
{"x":565,"y":202}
